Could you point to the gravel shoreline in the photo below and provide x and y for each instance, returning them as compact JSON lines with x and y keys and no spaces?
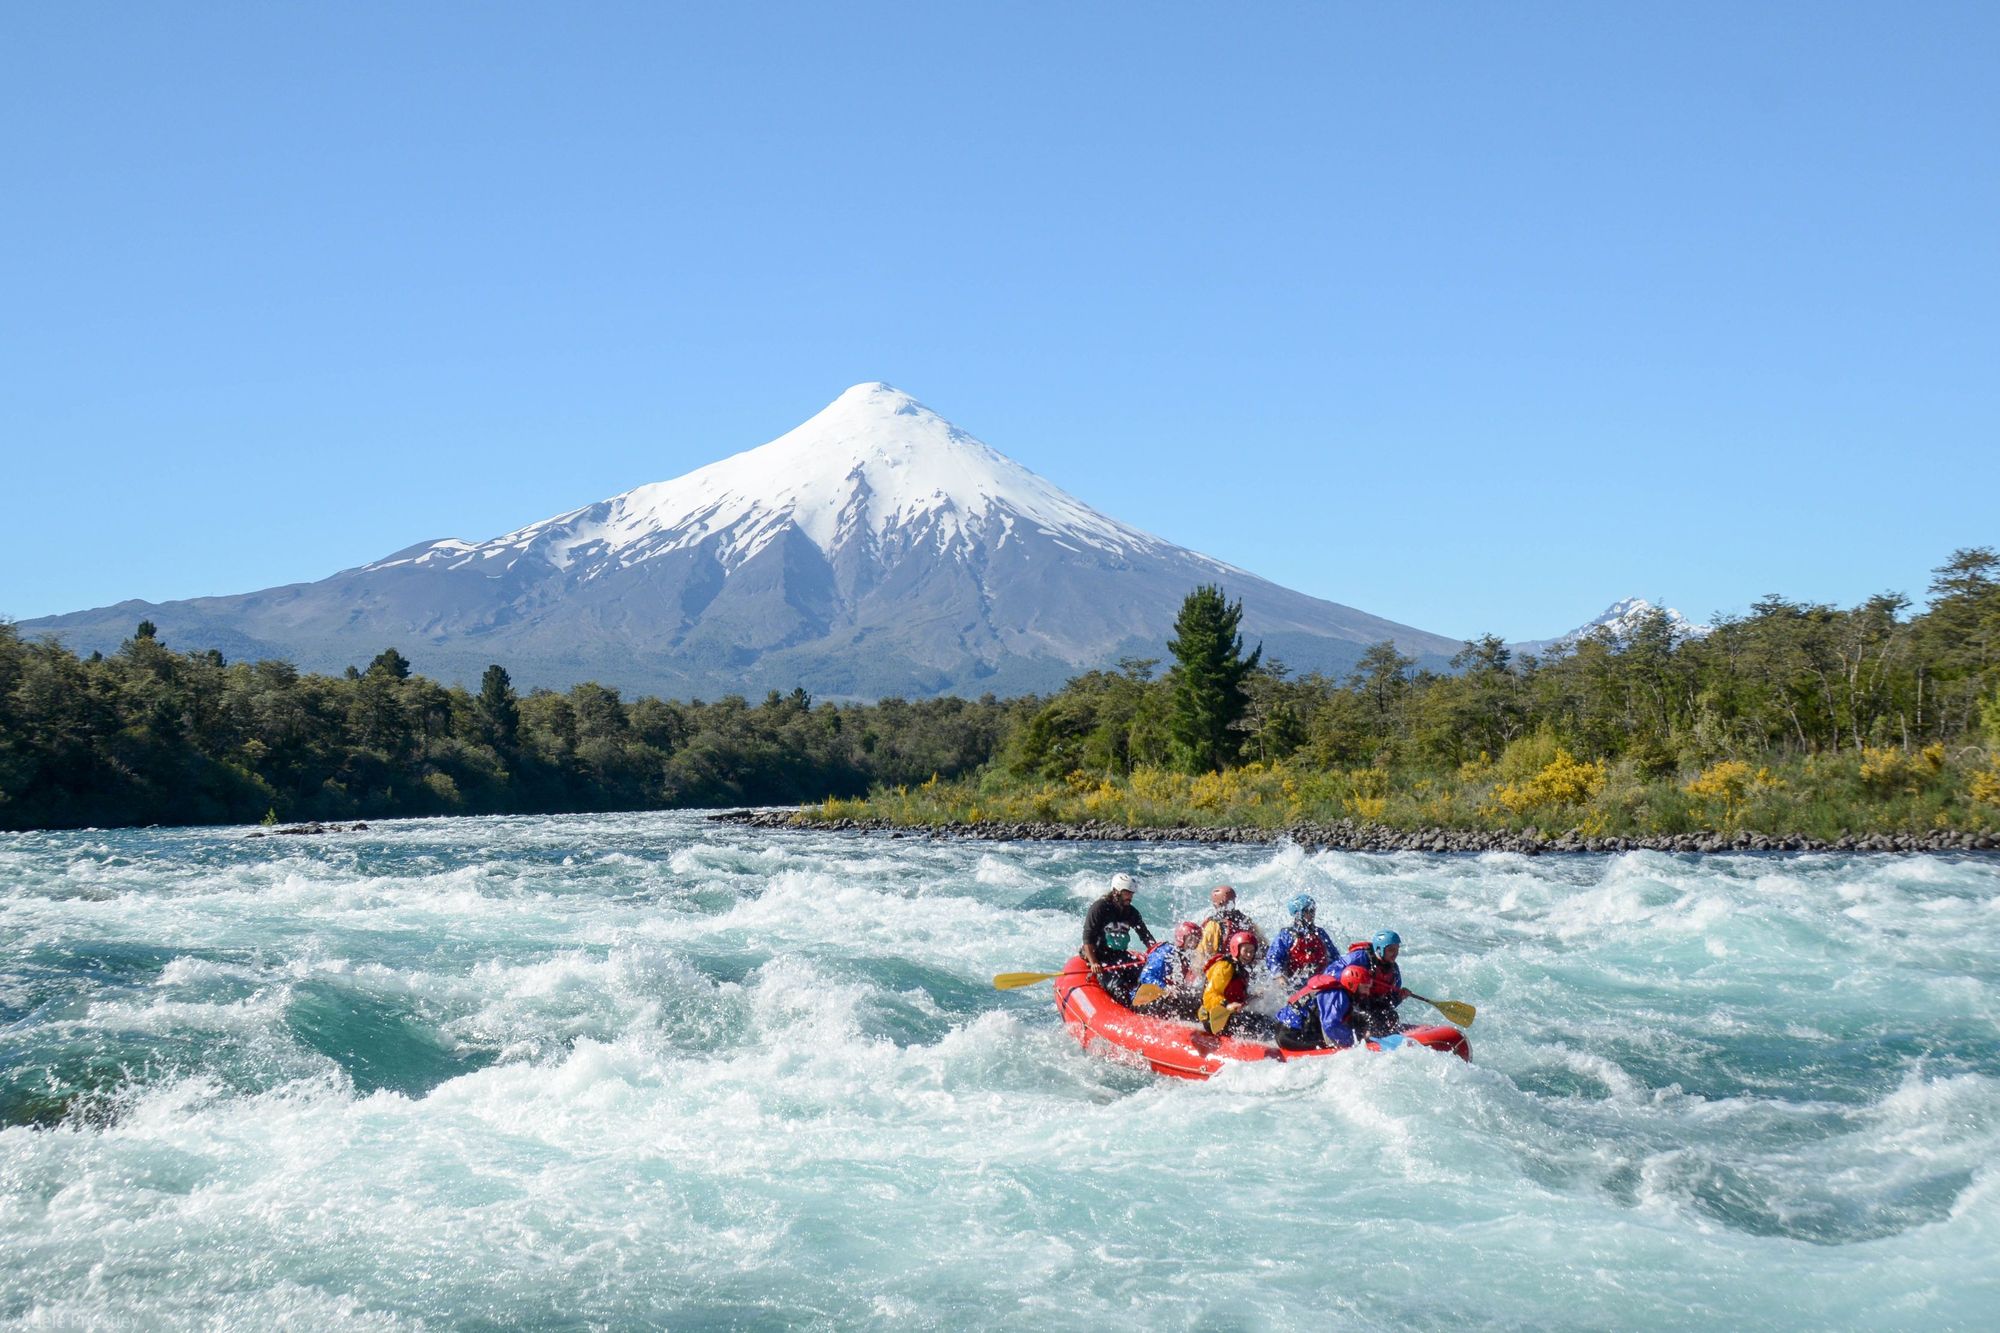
{"x":1346,"y":836}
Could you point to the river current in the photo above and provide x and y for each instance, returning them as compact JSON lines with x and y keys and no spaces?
{"x":644,"y":1070}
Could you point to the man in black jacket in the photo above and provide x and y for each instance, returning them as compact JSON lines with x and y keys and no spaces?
{"x":1107,"y":939}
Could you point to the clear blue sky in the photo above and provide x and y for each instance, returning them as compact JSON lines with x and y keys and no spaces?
{"x":1477,"y":316}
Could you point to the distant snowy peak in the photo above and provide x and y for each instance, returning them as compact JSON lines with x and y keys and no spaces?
{"x":1620,"y":620}
{"x":874,"y":466}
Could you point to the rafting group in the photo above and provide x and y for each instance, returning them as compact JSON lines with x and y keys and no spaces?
{"x":1332,"y":996}
{"x":1218,"y":992}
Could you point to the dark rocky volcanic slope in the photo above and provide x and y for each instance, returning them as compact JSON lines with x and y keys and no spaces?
{"x":877,"y":549}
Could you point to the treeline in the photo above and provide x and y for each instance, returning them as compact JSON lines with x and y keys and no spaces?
{"x":1787,"y":680}
{"x":148,"y":735}
{"x":1796,"y":718}
{"x":1650,"y":732}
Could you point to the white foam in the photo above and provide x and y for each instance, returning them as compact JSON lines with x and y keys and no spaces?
{"x":740,"y":1078}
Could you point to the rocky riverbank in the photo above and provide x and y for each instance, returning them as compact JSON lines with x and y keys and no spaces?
{"x":1346,"y":836}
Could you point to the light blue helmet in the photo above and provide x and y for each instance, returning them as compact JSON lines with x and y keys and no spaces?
{"x":1384,"y":941}
{"x":1301,"y":904}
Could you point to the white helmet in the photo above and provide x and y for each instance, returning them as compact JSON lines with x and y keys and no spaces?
{"x":1124,"y":883}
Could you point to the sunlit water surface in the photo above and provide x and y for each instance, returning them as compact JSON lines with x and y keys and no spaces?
{"x":646,"y":1070}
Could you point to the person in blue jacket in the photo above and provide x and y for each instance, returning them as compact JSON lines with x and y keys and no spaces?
{"x":1171,"y":967}
{"x":1301,"y":949}
{"x":1354,"y":999}
{"x":1370,"y":975}
{"x":1315,"y":1015}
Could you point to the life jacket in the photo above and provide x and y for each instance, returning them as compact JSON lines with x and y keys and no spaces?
{"x":1366,"y":978}
{"x":1301,"y":1012}
{"x":1309,"y":951}
{"x":1238,"y":989}
{"x":1314,"y":985}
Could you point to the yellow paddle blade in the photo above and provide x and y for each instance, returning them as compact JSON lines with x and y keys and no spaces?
{"x":1145,"y":995}
{"x":1218,"y":1019}
{"x":1457,"y":1011}
{"x":1016,"y":980}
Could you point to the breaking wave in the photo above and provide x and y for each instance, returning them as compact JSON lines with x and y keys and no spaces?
{"x":645,"y":1069}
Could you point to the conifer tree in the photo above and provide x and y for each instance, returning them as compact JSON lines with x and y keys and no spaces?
{"x":499,"y":708}
{"x":391,"y":663}
{"x":1206,"y":684}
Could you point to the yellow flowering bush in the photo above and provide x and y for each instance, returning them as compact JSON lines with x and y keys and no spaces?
{"x":1886,"y":769}
{"x":1564,"y":781}
{"x":1370,"y":808}
{"x":1728,"y":783}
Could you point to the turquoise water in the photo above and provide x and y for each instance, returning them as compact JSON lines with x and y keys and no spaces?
{"x":643,"y":1070}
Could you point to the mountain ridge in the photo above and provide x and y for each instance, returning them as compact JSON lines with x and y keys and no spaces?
{"x":874,"y":549}
{"x":1619,"y":620}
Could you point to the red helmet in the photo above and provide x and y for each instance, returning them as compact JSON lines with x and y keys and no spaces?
{"x":1354,"y":977}
{"x":1187,"y":934}
{"x":1242,"y":937}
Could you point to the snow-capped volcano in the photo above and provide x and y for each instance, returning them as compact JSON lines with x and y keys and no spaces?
{"x":875,"y":465}
{"x":1620,"y":621}
{"x":876,"y":549}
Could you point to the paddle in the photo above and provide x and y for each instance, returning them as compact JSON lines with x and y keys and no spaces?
{"x":1145,"y":995}
{"x":1016,"y":980}
{"x":1457,"y":1011}
{"x":1218,"y":1017}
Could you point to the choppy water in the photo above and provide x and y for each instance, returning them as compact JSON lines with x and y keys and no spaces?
{"x":642,"y":1070}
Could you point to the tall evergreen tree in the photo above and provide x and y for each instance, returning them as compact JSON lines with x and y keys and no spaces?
{"x":499,"y":708}
{"x":1208,"y":698}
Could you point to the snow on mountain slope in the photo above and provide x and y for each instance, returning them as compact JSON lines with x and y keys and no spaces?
{"x":876,"y":549}
{"x":874,"y":464}
{"x":1620,"y":620}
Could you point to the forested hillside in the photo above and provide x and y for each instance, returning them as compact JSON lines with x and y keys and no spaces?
{"x":1821,"y":716}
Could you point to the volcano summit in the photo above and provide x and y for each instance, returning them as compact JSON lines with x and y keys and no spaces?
{"x":877,"y":549}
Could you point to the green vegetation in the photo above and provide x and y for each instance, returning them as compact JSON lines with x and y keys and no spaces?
{"x":1206,"y":685}
{"x":1797,"y":718}
{"x":148,"y":735}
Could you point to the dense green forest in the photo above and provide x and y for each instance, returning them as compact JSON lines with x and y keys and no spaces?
{"x":1795,"y":716}
{"x":149,"y":735}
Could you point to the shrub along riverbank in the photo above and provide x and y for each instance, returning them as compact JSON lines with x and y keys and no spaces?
{"x":1537,"y":796}
{"x":1799,"y":723}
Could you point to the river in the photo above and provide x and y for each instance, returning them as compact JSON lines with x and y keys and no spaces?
{"x":644,"y":1070}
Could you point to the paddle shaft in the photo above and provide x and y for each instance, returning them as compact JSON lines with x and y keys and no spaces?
{"x":1016,"y":980}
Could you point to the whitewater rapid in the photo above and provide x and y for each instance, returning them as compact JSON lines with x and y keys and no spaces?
{"x":643,"y":1070}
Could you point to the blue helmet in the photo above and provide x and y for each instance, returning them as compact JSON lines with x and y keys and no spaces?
{"x":1384,"y":941}
{"x":1301,"y":904}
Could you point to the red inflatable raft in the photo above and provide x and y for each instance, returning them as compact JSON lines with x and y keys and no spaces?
{"x":1185,"y":1050}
